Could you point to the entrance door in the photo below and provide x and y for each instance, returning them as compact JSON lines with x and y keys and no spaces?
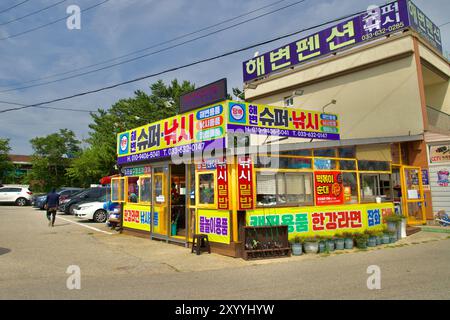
{"x":413,"y":197}
{"x":160,"y":203}
{"x":178,"y":198}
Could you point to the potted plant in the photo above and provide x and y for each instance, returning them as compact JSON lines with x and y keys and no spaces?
{"x":311,"y":245}
{"x":392,"y":236}
{"x":379,"y":236}
{"x":361,"y":240}
{"x":329,"y":244}
{"x":386,"y":239}
{"x":348,"y":240}
{"x":297,"y":248}
{"x":339,"y":241}
{"x":392,"y":221}
{"x":322,"y":247}
{"x":372,"y":239}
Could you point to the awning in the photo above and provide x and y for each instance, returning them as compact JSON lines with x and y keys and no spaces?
{"x":107,"y":179}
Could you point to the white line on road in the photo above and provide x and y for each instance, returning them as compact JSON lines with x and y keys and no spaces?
{"x":89,"y":227}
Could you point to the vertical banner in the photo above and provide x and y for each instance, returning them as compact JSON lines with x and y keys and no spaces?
{"x":222,"y":184}
{"x":245,"y":183}
{"x":328,"y":188}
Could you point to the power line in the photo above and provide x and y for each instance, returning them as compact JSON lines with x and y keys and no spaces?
{"x":50,"y":23}
{"x":444,"y":24}
{"x":151,"y":53}
{"x":32,"y":13}
{"x":141,"y":50}
{"x":229,"y":53}
{"x":14,"y":6}
{"x":42,"y":107}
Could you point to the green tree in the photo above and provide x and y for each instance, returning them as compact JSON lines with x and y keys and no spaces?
{"x":99,"y":159}
{"x":52,"y":156}
{"x":5,"y":163}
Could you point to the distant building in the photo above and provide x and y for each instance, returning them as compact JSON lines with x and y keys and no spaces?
{"x":22,"y":166}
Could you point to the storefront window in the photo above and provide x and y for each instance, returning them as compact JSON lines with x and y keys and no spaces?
{"x":365,"y":165}
{"x":325,"y":164}
{"x":206,"y":188}
{"x":376,"y":187}
{"x":158,"y":191}
{"x":304,"y":153}
{"x":347,"y":165}
{"x":133,"y":190}
{"x":325,"y":153}
{"x":350,"y":187}
{"x":284,"y":188}
{"x":144,"y":189}
{"x":347,"y":152}
{"x":117,"y":189}
{"x":283,"y":163}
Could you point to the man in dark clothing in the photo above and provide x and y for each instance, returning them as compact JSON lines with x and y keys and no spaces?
{"x":52,"y":206}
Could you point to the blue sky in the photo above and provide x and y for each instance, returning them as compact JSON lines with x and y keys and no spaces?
{"x":121,"y":26}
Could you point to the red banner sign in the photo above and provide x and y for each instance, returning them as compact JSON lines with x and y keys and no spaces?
{"x":222,"y":185}
{"x":328,"y":188}
{"x":245,"y":184}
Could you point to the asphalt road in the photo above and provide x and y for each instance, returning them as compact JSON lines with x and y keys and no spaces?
{"x":34,"y":259}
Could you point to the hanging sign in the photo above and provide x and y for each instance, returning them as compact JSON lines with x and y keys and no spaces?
{"x":222,"y":185}
{"x":245,"y":183}
{"x":328,"y":188}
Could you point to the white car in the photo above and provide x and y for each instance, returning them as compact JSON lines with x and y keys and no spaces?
{"x":21,"y":196}
{"x":91,"y":211}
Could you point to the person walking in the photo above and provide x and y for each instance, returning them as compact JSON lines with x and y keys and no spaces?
{"x":52,"y":206}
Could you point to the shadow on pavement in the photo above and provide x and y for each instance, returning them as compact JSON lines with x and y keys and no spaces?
{"x":4,"y":251}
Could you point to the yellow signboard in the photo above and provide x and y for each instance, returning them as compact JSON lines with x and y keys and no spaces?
{"x":215,"y":224}
{"x":281,"y":121}
{"x":185,"y":133}
{"x":137,"y":217}
{"x":322,"y":221}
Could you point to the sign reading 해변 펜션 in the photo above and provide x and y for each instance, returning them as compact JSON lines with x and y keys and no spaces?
{"x":280,"y":121}
{"x":374,"y":23}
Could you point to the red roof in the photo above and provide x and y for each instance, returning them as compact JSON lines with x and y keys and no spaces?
{"x":19,"y":158}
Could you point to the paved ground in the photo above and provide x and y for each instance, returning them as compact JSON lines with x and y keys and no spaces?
{"x":34,"y":259}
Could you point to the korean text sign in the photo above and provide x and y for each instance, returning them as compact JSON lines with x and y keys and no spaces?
{"x":181,"y":134}
{"x":215,"y":224}
{"x":324,"y":221}
{"x":138,"y":217}
{"x":246,"y":195}
{"x":281,"y":121}
{"x":222,"y":185}
{"x":374,"y":23}
{"x":328,"y":187}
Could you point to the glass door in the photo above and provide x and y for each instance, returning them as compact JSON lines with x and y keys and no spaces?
{"x":160,"y":208}
{"x":413,"y":197}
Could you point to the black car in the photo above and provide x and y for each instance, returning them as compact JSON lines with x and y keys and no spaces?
{"x":88,"y":195}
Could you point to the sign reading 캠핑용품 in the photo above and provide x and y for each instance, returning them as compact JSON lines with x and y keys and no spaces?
{"x":324,"y":221}
{"x":374,"y":23}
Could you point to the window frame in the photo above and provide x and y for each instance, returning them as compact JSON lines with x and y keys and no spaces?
{"x":197,"y":190}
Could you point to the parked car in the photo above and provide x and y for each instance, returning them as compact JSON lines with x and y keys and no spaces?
{"x":65,"y":196}
{"x":21,"y":196}
{"x":40,"y":201}
{"x":92,"y":210}
{"x":88,"y":195}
